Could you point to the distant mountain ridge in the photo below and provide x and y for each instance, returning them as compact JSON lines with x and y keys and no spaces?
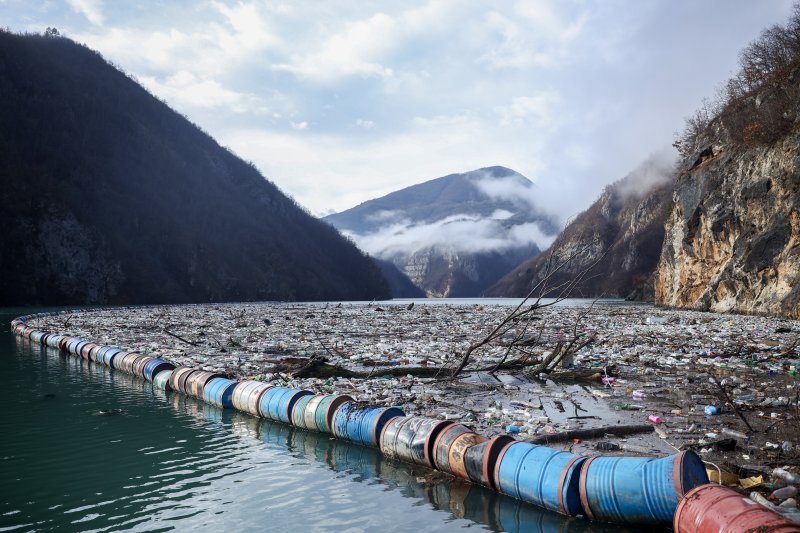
{"x":109,"y":196}
{"x":455,"y":235}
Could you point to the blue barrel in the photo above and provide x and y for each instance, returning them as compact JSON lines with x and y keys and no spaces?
{"x":541,"y":476}
{"x":219,"y":392}
{"x":109,"y":356}
{"x":278,"y":402}
{"x":73,"y":344}
{"x":155,"y":366}
{"x":323,"y":415}
{"x":638,"y":490}
{"x":363,"y":425}
{"x":161,"y":380}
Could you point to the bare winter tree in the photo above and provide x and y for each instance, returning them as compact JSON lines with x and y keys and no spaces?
{"x":514,"y":331}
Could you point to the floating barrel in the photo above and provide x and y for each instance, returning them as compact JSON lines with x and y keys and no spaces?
{"x":197,"y":381}
{"x":278,"y":402}
{"x":310,"y":414}
{"x":481,"y":460}
{"x":541,"y":476}
{"x":161,"y":380}
{"x":86,"y":349}
{"x":94,"y":351}
{"x":123,"y":361}
{"x":247,"y":394}
{"x":78,"y":348}
{"x":138,"y":365}
{"x":714,"y":508}
{"x":179,"y":376}
{"x":135,"y":362}
{"x":72,"y":343}
{"x":441,"y":446}
{"x":219,"y":392}
{"x":62,"y":344}
{"x":154,"y":366}
{"x":411,"y":438}
{"x":638,"y":490}
{"x":363,"y":425}
{"x":109,"y":356}
{"x":324,"y":412}
{"x":299,"y":411}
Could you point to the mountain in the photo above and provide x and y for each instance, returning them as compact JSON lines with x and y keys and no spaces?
{"x":455,"y":235}
{"x":617,"y":241}
{"x":732,"y":241}
{"x":109,"y":196}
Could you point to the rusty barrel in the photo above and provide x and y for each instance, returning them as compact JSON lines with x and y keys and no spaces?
{"x":156,"y":366}
{"x":299,"y":411}
{"x":411,"y":438}
{"x":219,"y":392}
{"x":139,"y":365}
{"x":161,"y":380}
{"x":638,"y":490}
{"x":197,"y":381}
{"x":481,"y":460}
{"x":540,"y":475}
{"x":278,"y":403}
{"x":714,"y":508}
{"x":362,"y":424}
{"x":177,"y":380}
{"x":126,"y":363}
{"x":450,"y":447}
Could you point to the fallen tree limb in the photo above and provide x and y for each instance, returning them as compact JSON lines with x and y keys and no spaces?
{"x":584,"y":434}
{"x":168,"y":332}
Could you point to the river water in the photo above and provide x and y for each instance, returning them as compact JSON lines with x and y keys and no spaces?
{"x":171,"y":462}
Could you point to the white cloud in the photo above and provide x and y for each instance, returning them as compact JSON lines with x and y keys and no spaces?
{"x":462,"y":233}
{"x":530,"y":110}
{"x":299,"y":126}
{"x":91,"y":9}
{"x":184,"y":89}
{"x":366,"y":124}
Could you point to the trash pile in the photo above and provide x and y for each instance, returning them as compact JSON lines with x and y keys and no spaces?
{"x":653,"y":381}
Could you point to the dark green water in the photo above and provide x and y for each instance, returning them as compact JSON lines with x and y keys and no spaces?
{"x":170,"y":462}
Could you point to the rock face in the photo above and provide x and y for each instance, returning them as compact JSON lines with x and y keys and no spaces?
{"x":453,"y":236}
{"x":613,"y":246}
{"x":109,"y":196}
{"x":733,"y":234}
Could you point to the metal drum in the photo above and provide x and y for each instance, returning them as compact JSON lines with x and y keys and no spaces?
{"x":411,"y":438}
{"x":247,"y":395}
{"x":299,"y":412}
{"x":541,"y":476}
{"x":154,"y":366}
{"x":178,"y":379}
{"x":219,"y":392}
{"x":326,"y":409}
{"x":714,"y":508}
{"x":109,"y":355}
{"x":278,"y":403}
{"x":638,"y":490}
{"x":94,"y":351}
{"x":140,"y":364}
{"x":310,"y":414}
{"x":363,"y":425}
{"x":481,"y":460}
{"x":162,"y":380}
{"x":197,"y":381}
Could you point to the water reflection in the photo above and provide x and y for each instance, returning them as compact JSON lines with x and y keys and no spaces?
{"x":207,"y":467}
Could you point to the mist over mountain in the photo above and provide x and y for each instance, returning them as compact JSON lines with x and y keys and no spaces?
{"x":617,"y":241}
{"x":454,"y":235}
{"x":109,"y":196}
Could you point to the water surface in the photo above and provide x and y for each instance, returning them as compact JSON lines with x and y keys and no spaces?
{"x":171,"y":462}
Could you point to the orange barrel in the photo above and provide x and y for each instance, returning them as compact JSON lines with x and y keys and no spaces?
{"x":197,"y":381}
{"x":716,"y":509}
{"x":441,"y":446}
{"x":450,"y":447}
{"x":480,"y":460}
{"x":178,"y":378}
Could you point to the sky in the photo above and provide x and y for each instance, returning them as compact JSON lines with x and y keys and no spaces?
{"x":341,"y":101}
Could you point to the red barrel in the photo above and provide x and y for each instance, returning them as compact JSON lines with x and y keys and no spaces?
{"x":717,"y":509}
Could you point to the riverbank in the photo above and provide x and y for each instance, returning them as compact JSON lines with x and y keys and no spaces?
{"x":665,"y":368}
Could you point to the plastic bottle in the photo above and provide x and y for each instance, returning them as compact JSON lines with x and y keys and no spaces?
{"x":785,"y":492}
{"x":734,"y":433}
{"x":788,"y":477}
{"x":639,"y":395}
{"x":711,"y":410}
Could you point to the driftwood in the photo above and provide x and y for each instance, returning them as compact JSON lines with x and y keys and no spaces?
{"x":619,"y":431}
{"x":168,"y":332}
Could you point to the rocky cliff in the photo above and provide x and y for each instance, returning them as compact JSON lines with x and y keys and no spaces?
{"x":733,"y":233}
{"x":109,"y":196}
{"x":614,"y":245}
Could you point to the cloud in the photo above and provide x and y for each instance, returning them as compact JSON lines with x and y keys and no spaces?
{"x":530,"y":110}
{"x":91,"y":9}
{"x":184,"y":89}
{"x":656,"y":170}
{"x":461,"y":233}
